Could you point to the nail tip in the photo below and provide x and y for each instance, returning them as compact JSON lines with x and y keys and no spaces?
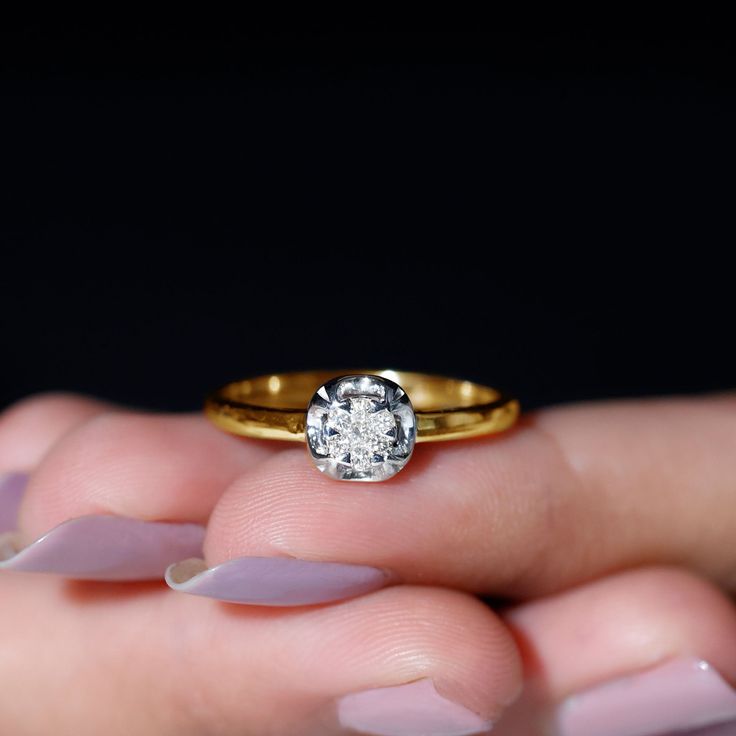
{"x":182,"y":576}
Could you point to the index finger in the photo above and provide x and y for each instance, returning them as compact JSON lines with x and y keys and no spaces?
{"x":572,"y":493}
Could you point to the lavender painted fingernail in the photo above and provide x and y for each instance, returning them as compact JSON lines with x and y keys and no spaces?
{"x":12,"y":486}
{"x":275,"y":581}
{"x":414,"y":709}
{"x":104,"y":548}
{"x":681,"y":696}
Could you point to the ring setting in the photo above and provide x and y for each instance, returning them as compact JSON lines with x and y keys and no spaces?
{"x":360,"y":425}
{"x":361,"y":428}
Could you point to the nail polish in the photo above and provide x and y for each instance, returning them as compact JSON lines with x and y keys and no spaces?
{"x":275,"y":581}
{"x":680,"y":696}
{"x":12,"y":486}
{"x":111,"y":548}
{"x":413,"y":709}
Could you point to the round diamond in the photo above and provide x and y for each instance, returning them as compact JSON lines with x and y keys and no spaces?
{"x":360,"y":428}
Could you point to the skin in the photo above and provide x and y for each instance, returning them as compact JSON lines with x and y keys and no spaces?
{"x":616,"y":517}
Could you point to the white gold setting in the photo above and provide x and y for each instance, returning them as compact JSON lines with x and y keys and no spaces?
{"x":360,"y":428}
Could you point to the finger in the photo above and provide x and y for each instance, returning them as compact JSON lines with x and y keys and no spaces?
{"x":28,"y":429}
{"x":146,"y":466}
{"x":381,"y":664}
{"x":573,"y":493}
{"x":123,"y":495}
{"x":643,"y":653}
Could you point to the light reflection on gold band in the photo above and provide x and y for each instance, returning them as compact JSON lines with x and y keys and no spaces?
{"x":274,"y":406}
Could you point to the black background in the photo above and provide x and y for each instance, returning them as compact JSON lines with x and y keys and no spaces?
{"x":550,"y":210}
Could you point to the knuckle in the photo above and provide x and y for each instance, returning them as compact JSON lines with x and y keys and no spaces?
{"x":91,"y":437}
{"x":80,"y":474}
{"x":105,"y":435}
{"x":37,"y":407}
{"x":32,"y":426}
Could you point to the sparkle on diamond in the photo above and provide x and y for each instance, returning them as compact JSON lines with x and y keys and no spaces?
{"x":365,"y":432}
{"x":360,"y":427}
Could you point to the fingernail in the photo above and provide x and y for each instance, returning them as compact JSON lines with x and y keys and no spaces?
{"x":414,"y":709}
{"x":275,"y":581}
{"x":682,"y":695}
{"x":104,"y":548}
{"x":12,"y":486}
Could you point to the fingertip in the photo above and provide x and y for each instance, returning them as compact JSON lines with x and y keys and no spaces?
{"x":622,"y":624}
{"x":32,"y":425}
{"x":450,"y":638}
{"x":135,"y":465}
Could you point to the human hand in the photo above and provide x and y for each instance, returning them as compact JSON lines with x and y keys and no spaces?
{"x":547,"y":515}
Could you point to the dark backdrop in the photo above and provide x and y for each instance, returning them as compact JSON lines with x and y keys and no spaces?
{"x":551,"y":211}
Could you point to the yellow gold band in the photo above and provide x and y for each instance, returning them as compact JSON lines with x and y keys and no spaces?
{"x":274,"y":407}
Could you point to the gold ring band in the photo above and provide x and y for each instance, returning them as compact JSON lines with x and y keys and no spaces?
{"x":274,"y":406}
{"x":360,"y":425}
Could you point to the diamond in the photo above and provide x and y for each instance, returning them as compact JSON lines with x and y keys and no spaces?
{"x":360,"y":428}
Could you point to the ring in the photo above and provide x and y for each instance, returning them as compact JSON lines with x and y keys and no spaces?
{"x":361,"y":425}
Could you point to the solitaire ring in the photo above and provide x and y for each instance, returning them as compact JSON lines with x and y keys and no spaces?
{"x":361,"y":425}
